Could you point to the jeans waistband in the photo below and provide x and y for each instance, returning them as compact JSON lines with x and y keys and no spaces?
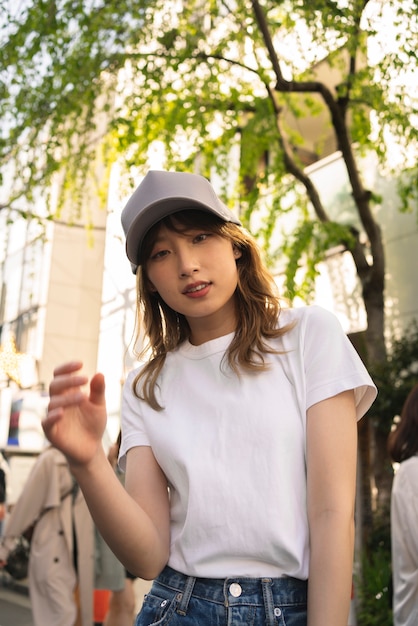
{"x":236,"y":590}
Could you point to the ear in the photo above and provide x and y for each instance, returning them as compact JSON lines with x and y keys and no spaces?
{"x":237,"y":252}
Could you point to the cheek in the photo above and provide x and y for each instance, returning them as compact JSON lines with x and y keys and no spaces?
{"x":229,"y":276}
{"x":160,"y":283}
{"x":148,"y":284}
{"x":153,"y":280}
{"x":230,"y":267}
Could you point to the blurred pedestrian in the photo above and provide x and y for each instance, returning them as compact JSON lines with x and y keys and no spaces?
{"x":4,"y":470}
{"x":62,"y":549}
{"x":122,"y":602}
{"x":109,"y":578}
{"x":403,"y":449}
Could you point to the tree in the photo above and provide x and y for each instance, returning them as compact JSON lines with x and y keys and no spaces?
{"x":200,"y":77}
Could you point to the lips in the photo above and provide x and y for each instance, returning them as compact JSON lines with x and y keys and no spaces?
{"x":196,"y":289}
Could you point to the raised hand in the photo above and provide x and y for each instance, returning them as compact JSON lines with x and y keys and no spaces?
{"x":76,"y":420}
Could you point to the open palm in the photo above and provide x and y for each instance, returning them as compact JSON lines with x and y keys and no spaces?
{"x":75,"y":421}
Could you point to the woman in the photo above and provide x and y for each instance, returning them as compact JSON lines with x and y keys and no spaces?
{"x":403,"y":449}
{"x":238,"y":434}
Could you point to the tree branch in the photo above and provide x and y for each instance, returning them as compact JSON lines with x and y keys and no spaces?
{"x":360,"y":194}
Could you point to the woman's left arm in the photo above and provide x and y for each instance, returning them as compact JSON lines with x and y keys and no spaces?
{"x":331,"y":487}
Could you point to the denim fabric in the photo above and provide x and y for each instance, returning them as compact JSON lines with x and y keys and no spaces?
{"x":179,"y":600}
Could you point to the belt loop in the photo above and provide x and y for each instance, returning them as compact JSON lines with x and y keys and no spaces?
{"x":266,"y":586}
{"x":185,"y":596}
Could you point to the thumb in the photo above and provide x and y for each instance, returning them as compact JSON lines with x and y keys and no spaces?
{"x":97,"y":389}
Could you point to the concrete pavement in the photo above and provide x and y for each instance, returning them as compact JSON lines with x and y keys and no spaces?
{"x":14,"y":608}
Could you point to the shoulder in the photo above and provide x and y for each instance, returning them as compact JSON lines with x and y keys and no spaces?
{"x":313,"y":333}
{"x":130,"y":378}
{"x":133,"y":373}
{"x":404,"y":494}
{"x":407,"y":473}
{"x":307,"y":314}
{"x":307,"y":319}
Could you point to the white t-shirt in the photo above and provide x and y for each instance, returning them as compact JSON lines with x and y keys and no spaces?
{"x":233,"y":448}
{"x":404,"y":531}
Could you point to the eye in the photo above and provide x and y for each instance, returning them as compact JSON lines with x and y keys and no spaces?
{"x":201,"y":237}
{"x":159,"y":254}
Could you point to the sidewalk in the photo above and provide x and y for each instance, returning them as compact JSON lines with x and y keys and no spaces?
{"x":15,"y":604}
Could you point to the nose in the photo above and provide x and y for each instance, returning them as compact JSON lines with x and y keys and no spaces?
{"x":187,"y":263}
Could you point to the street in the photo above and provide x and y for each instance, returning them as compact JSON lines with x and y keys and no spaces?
{"x":14,"y":608}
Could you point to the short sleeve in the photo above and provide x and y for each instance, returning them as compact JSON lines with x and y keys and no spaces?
{"x":133,"y":431}
{"x":332,"y":364}
{"x":321,"y":361}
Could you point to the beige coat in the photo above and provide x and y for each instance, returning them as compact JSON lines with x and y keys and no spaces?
{"x":52,"y":576}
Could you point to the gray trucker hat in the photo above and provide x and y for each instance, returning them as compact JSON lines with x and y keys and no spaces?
{"x":160,"y":194}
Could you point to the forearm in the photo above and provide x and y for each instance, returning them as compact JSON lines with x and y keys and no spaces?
{"x":331,"y":485}
{"x":331,"y":569}
{"x":135,"y":526}
{"x":139,"y":543}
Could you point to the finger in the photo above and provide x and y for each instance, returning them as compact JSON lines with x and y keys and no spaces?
{"x":50,"y":423}
{"x":68,"y":368}
{"x":51,"y":419}
{"x":66,"y":400}
{"x":97,"y":389}
{"x":63,"y":383}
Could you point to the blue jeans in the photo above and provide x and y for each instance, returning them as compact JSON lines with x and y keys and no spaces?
{"x":179,"y":600}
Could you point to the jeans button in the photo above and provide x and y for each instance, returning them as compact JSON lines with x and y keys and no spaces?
{"x":277,"y":611}
{"x":235,"y":590}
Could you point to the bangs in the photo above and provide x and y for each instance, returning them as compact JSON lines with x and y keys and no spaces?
{"x":181,"y":222}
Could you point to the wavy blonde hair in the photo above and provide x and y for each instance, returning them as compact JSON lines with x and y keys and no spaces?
{"x":257,"y":305}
